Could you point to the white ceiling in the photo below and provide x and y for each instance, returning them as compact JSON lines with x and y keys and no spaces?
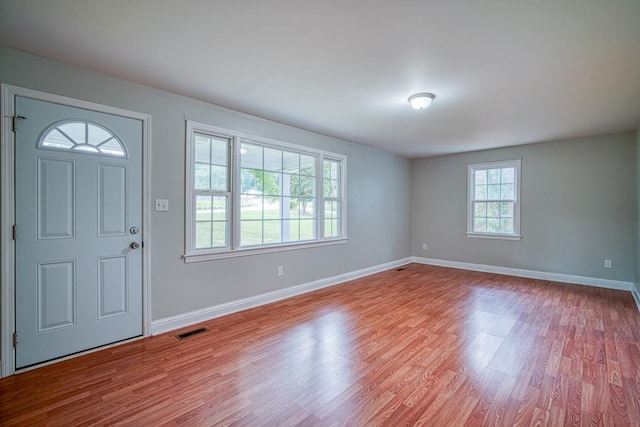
{"x":503,"y":72}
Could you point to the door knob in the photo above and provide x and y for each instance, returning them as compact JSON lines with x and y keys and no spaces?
{"x":134,"y":245}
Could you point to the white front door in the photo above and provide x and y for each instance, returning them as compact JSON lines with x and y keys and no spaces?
{"x":78,"y":222}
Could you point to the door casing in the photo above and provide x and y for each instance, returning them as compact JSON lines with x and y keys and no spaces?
{"x":7,"y":212}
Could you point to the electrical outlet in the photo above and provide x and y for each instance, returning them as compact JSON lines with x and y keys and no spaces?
{"x":424,"y":246}
{"x":608,"y":263}
{"x":280,"y":271}
{"x":162,"y":205}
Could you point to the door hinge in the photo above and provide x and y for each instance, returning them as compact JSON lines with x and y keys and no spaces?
{"x":14,"y":232}
{"x":15,"y":122}
{"x":15,"y":339}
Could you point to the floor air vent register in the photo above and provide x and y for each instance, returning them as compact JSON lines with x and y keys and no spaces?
{"x":191,"y":333}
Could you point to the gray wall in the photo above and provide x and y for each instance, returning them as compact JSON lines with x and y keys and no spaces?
{"x":577,"y":208}
{"x":378,"y":192}
{"x":637,"y":181}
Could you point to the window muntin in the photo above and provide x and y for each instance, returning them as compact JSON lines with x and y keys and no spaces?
{"x":493,"y":206}
{"x":82,"y":136}
{"x":251,"y":194}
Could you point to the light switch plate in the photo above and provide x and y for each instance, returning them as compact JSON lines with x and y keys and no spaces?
{"x":162,"y":205}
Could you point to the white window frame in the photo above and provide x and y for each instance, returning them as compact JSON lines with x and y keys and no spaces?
{"x":517,"y":165}
{"x":191,"y":254}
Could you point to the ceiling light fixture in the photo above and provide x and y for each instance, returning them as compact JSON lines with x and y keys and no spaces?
{"x":421,"y":101}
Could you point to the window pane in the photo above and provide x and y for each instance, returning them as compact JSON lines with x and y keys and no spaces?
{"x":306,"y":189}
{"x":480,"y":209}
{"x":250,"y":233}
{"x":506,"y":210}
{"x":330,"y":188}
{"x":307,"y":229}
{"x":271,"y":184}
{"x":480,"y":177}
{"x":307,"y":208}
{"x":204,"y":208}
{"x":329,"y":209}
{"x":220,"y":212}
{"x":251,"y":181}
{"x":294,"y":207}
{"x":507,"y":191}
{"x":272,"y":208}
{"x":493,"y":210}
{"x":332,"y":209}
{"x":55,"y":139}
{"x":251,"y":156}
{"x":328,"y":228}
{"x":219,"y":234}
{"x":493,"y":225}
{"x":493,"y":192}
{"x":291,"y":162}
{"x":75,"y":131}
{"x":481,"y":192}
{"x":219,"y":178}
{"x":290,"y":184}
{"x":203,"y":177}
{"x":219,"y":149}
{"x":202,"y":149}
{"x":493,"y":176}
{"x":307,"y":165}
{"x":112,"y":147}
{"x":506,"y":225}
{"x":251,"y":208}
{"x":326,"y":187}
{"x":480,"y":225}
{"x":292,"y":229}
{"x":97,"y":135}
{"x":272,"y":159}
{"x":334,"y":170}
{"x":203,"y":235}
{"x":508,"y":175}
{"x":272,"y":231}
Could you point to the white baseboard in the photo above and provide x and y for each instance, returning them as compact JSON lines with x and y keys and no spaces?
{"x":186,"y":319}
{"x":531,"y":274}
{"x":636,"y":296}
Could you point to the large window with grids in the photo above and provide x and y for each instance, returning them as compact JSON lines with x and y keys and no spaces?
{"x":493,"y":208}
{"x":246,"y":194}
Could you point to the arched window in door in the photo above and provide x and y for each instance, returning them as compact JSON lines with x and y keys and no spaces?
{"x":82,"y":136}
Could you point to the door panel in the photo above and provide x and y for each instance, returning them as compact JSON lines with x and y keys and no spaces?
{"x":56,"y":199}
{"x":112,"y":206}
{"x":78,"y":282}
{"x":112,"y":286}
{"x":56,"y":295}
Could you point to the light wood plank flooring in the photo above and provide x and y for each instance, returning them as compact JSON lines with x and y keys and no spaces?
{"x":421,"y":346}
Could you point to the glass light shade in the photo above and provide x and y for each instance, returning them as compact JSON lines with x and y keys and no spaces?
{"x":420,"y":101}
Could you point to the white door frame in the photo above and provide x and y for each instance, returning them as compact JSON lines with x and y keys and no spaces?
{"x":7,"y":210}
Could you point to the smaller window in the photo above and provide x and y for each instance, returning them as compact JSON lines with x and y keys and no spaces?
{"x":332,"y":189}
{"x":84,"y":137}
{"x":493,"y":208}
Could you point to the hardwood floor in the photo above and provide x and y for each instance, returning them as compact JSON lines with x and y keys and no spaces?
{"x":422,"y":346}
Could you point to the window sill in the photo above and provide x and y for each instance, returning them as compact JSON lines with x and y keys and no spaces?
{"x":494,"y":236}
{"x":196,"y":257}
